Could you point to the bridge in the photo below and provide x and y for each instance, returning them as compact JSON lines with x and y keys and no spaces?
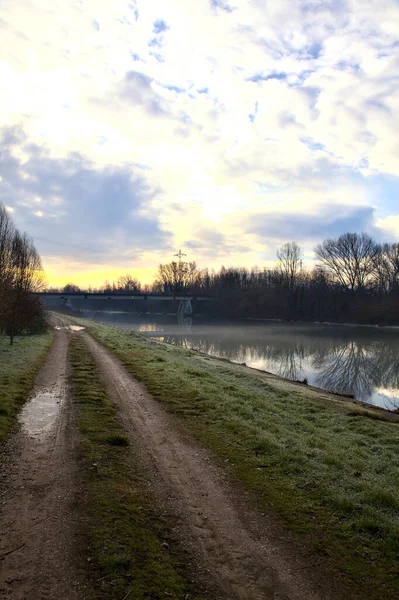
{"x":79,"y":299}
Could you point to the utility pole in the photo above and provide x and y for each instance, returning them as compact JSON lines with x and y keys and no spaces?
{"x":180,"y":254}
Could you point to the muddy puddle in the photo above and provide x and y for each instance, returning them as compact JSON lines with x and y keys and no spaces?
{"x":39,"y":414}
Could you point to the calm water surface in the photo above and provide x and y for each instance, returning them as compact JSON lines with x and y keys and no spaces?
{"x":363,"y":361}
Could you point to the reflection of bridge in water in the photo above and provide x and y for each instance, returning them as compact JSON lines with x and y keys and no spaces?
{"x":183,"y":304}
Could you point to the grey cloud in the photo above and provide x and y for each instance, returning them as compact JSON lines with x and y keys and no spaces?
{"x":287,"y":119}
{"x":206,"y":238}
{"x":312,"y":144}
{"x":344,"y":65}
{"x":316,"y":8}
{"x":137,"y":89}
{"x":103,"y":210}
{"x":182,"y":132}
{"x":311,"y":94}
{"x":318,"y":171}
{"x":314,"y":50}
{"x":158,"y":57}
{"x":211,"y":243}
{"x":222,"y":5}
{"x":331,"y":220}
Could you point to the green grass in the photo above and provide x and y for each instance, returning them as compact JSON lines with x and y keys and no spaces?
{"x":19,"y":365}
{"x":131,"y":545}
{"x":330,"y":472}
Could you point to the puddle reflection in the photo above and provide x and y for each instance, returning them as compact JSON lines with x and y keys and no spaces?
{"x":39,"y":414}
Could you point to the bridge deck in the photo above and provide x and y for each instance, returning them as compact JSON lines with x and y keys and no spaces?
{"x":122,"y":296}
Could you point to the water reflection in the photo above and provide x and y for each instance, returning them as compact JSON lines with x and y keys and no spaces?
{"x":350,"y":360}
{"x":366,"y":368}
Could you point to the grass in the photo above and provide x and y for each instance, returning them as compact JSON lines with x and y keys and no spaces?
{"x":330,"y":472}
{"x":131,"y":545}
{"x":19,"y":365}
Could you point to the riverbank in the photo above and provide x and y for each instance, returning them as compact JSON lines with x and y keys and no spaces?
{"x":325,"y":466}
{"x":327,"y":323}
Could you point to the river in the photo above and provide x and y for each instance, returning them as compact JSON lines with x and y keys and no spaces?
{"x":363,"y":361}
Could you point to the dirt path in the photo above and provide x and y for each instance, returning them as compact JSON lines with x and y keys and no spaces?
{"x":249,"y":557}
{"x":38,"y":490}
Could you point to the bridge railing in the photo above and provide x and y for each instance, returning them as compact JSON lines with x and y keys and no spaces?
{"x":124,"y":295}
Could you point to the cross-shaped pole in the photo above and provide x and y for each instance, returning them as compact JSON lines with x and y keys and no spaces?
{"x":180,"y":254}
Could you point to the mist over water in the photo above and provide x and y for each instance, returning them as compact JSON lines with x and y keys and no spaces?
{"x":363,"y":361}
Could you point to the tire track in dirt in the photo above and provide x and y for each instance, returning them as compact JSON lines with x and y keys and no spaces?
{"x":38,"y":521}
{"x":238,"y":547}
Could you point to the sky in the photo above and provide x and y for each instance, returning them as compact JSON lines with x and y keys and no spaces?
{"x":130,"y":129}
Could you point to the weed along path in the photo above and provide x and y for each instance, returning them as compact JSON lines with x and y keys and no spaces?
{"x":38,"y":489}
{"x":243,"y":553}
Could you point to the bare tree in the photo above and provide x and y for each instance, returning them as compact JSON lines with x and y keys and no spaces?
{"x":290,"y":262}
{"x":27,"y":277}
{"x":70,"y":288}
{"x":386,"y":268}
{"x":350,"y":259}
{"x":177,"y":277}
{"x":7,"y":232}
{"x":128,"y":283}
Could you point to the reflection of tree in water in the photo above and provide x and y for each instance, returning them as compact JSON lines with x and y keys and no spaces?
{"x":359,"y":368}
{"x":340,"y":364}
{"x":349,"y":368}
{"x":387,"y":357}
{"x":286,"y":358}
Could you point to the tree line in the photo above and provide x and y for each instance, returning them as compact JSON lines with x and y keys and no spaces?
{"x":124,"y":284}
{"x":354,"y":279}
{"x":21,"y":274}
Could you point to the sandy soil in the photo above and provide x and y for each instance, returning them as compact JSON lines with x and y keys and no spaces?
{"x":39,"y":557}
{"x":246,"y":554}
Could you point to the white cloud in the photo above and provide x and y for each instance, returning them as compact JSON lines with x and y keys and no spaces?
{"x":389,"y":227}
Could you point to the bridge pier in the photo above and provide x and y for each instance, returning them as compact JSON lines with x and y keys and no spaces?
{"x":185,"y":307}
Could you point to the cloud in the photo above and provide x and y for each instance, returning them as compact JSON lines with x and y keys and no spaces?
{"x":388,"y":228}
{"x":307,"y":227}
{"x":222,"y":5}
{"x":137,"y":89}
{"x":69,"y":204}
